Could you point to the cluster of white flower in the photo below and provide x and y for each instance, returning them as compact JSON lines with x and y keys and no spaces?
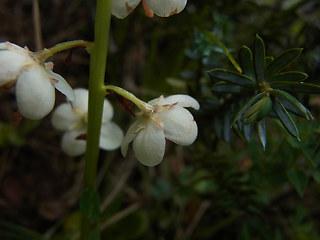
{"x":166,"y":118}
{"x":159,"y":119}
{"x":73,"y":120}
{"x":162,"y":8}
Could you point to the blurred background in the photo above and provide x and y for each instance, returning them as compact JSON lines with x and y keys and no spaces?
{"x":221,"y":187}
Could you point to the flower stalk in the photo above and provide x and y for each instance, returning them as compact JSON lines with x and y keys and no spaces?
{"x":44,"y":54}
{"x":97,"y":93}
{"x":143,"y":106}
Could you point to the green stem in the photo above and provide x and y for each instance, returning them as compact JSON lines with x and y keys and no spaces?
{"x":96,"y":97}
{"x":145,"y":107}
{"x":44,"y":54}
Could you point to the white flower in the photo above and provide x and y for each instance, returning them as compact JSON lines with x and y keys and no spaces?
{"x":168,"y":119}
{"x":73,"y":120}
{"x":35,"y":82}
{"x":162,"y":8}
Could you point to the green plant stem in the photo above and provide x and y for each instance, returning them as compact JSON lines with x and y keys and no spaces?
{"x":96,"y":97}
{"x":145,"y":107}
{"x":44,"y":54}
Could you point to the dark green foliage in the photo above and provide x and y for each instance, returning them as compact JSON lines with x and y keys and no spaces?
{"x":286,"y":77}
{"x":298,"y":179}
{"x":225,"y":185}
{"x":282,"y":61}
{"x":231,"y":77}
{"x":262,"y":86}
{"x":89,"y":204}
{"x":285,"y":119}
{"x":259,"y":59}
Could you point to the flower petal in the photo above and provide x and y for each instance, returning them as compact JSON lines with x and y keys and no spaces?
{"x":11,"y":62}
{"x":181,"y":100}
{"x":13,"y":47}
{"x":60,"y":84}
{"x":179,"y":125}
{"x":73,"y":146}
{"x":149,"y":145}
{"x":81,"y":99}
{"x":35,"y":93}
{"x":130,"y":135}
{"x":122,"y":8}
{"x":63,"y":117}
{"x":111,"y":136}
{"x":107,"y":111}
{"x":166,"y":8}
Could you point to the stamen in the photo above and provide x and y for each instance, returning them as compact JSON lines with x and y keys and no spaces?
{"x":128,"y":7}
{"x":49,"y":65}
{"x":53,"y":80}
{"x":139,"y":129}
{"x":169,"y":106}
{"x":149,"y":13}
{"x":157,"y":123}
{"x":174,"y":12}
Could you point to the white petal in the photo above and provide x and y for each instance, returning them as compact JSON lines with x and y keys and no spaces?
{"x":107,"y":111}
{"x":73,"y":146}
{"x":122,"y":8}
{"x":35,"y":93}
{"x":11,"y":62}
{"x":166,"y":8}
{"x":4,"y":45}
{"x":179,"y":125}
{"x":111,"y":136}
{"x":12,"y":47}
{"x":81,"y":102}
{"x":61,"y":84}
{"x":181,"y":100}
{"x":130,"y":135}
{"x":81,"y":99}
{"x":63,"y":117}
{"x":149,"y":145}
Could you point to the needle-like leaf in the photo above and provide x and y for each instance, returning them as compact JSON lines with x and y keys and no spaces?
{"x":245,"y":58}
{"x":262,"y":133}
{"x":286,"y":119}
{"x":284,"y":95}
{"x":292,"y":76}
{"x":248,"y":104}
{"x":282,"y":61}
{"x":259,"y":58}
{"x":308,"y":88}
{"x":231,"y":77}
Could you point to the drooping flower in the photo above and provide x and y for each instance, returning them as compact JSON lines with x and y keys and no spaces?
{"x":35,"y":82}
{"x":73,"y":120}
{"x":162,"y":8}
{"x":167,"y":119}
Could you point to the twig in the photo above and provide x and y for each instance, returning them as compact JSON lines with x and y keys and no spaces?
{"x":197,"y":217}
{"x":119,"y":186}
{"x":118,"y":216}
{"x":37,"y":24}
